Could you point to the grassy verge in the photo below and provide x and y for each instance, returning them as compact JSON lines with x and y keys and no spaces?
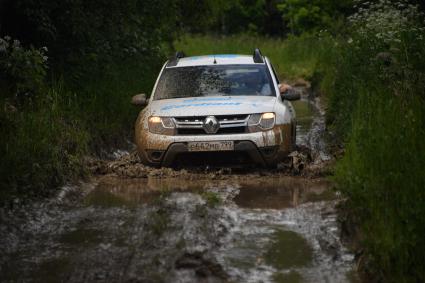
{"x":45,"y":139}
{"x":376,"y":104}
{"x":379,"y":109}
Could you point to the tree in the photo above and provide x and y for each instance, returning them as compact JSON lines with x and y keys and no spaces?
{"x":95,"y":32}
{"x":310,"y":15}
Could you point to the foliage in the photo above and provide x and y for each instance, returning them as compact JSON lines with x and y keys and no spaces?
{"x":306,"y":15}
{"x":44,"y":140}
{"x":211,"y":198}
{"x":23,"y":70}
{"x":229,"y":17}
{"x":100,"y":54}
{"x":85,"y":37}
{"x":376,"y":101}
{"x":265,"y":17}
{"x":41,"y":145}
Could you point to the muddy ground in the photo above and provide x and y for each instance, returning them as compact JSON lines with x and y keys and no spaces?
{"x":132,"y":223}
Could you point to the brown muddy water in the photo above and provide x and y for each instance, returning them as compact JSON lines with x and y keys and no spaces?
{"x":241,"y":228}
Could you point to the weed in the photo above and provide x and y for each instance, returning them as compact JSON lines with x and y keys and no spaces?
{"x":212,"y":198}
{"x":159,"y":221}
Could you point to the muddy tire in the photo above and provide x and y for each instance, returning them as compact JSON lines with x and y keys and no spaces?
{"x":146,"y":162}
{"x":272,"y":166}
{"x":294,"y":136}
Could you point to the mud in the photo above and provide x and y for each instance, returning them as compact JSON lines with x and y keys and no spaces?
{"x":132,"y":223}
{"x":174,"y":230}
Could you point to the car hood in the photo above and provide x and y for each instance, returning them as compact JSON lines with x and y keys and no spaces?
{"x":217,"y":105}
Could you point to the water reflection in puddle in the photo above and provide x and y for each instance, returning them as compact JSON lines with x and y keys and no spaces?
{"x":287,"y":250}
{"x":271,"y":193}
{"x":306,"y":114}
{"x":281,"y":229}
{"x":282,"y":193}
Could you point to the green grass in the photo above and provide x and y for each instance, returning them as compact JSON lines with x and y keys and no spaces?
{"x":293,"y":58}
{"x":376,"y":104}
{"x":104,"y":101}
{"x":41,"y":145}
{"x":382,"y":173}
{"x":45,"y":141}
{"x":212,"y":198}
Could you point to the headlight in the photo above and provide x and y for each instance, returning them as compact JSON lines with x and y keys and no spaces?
{"x":161,"y":125}
{"x":261,"y":122}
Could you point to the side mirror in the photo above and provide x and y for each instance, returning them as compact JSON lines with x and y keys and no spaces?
{"x":290,"y":94}
{"x":139,"y":100}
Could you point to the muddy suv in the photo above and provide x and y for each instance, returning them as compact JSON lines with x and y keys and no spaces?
{"x":214,"y":109}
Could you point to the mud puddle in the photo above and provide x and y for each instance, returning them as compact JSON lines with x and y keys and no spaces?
{"x":170,"y":230}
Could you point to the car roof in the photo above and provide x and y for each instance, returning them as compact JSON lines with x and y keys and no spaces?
{"x":220,"y":59}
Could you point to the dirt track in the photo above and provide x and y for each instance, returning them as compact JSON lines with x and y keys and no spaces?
{"x":132,"y":223}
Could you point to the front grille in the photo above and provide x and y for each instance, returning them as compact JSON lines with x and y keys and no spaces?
{"x":221,"y":131}
{"x":229,"y":124}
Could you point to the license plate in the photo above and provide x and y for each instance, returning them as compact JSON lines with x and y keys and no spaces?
{"x":211,"y":146}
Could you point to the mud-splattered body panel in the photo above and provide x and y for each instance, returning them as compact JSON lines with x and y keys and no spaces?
{"x":266,"y":146}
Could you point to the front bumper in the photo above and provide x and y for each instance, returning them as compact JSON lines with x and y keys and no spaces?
{"x":263,"y":148}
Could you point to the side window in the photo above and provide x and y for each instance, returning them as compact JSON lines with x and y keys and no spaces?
{"x":274,"y":73}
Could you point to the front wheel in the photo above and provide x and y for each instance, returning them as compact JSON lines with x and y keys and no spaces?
{"x":146,"y":162}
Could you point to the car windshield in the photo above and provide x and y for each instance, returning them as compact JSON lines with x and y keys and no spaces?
{"x":222,"y":80}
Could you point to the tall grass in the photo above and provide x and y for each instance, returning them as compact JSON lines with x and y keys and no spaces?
{"x":382,"y":173}
{"x":104,"y":101}
{"x":377,"y":103}
{"x":44,"y":141}
{"x":41,"y":145}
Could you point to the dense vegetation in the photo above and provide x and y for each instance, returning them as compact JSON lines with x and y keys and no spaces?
{"x":70,"y":98}
{"x":68,"y":70}
{"x":377,"y":103}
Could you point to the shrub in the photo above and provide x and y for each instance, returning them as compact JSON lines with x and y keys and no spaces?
{"x":23,"y":69}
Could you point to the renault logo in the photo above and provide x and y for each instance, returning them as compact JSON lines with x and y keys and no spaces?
{"x":211,"y":125}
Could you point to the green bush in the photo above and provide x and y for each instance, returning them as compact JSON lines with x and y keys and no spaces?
{"x":309,"y":15}
{"x":23,"y":69}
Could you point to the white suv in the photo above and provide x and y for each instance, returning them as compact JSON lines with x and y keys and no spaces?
{"x":216,"y":109}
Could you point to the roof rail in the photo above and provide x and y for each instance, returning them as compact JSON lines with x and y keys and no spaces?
{"x":174,"y":60}
{"x":258,"y":57}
